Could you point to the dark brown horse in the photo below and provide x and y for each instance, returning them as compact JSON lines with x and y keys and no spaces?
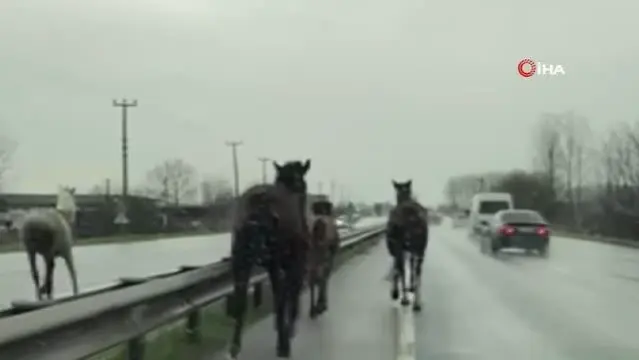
{"x":407,"y":236}
{"x":270,"y":231}
{"x":324,"y":245}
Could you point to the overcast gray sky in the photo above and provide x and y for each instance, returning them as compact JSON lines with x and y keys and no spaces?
{"x":369,"y":89}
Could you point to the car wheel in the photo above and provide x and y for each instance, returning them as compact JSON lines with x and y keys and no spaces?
{"x":543,"y":252}
{"x":494,"y":248}
{"x":483,"y":247}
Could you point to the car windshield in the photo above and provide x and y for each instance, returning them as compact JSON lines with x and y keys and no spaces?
{"x":531,"y":217}
{"x":491,"y":207}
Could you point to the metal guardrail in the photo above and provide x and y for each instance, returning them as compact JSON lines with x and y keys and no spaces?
{"x":79,"y":327}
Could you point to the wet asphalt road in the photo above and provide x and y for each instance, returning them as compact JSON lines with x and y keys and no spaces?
{"x":100,"y":265}
{"x":582,"y":303}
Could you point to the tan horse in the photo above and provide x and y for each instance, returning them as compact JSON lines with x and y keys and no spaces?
{"x":48,"y":232}
{"x":325,"y":241}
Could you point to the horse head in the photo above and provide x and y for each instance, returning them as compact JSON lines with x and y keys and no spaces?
{"x":66,"y":202}
{"x":291,"y":175}
{"x":322,"y":207}
{"x":403,"y":191}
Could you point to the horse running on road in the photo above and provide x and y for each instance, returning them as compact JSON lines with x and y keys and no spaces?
{"x":325,"y":241}
{"x":270,"y":230}
{"x":407,"y":239}
{"x":48,"y":232}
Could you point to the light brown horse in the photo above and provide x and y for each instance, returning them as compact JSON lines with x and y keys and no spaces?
{"x":270,"y":231}
{"x":325,"y":241}
{"x":407,"y":236}
{"x":48,"y":232}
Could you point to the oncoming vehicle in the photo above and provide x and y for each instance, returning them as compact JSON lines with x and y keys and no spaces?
{"x":460,"y":219}
{"x":520,"y":229}
{"x":484,"y":206}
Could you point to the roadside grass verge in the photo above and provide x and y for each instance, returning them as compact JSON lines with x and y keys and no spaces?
{"x":172,"y":342}
{"x":16,"y":246}
{"x":594,"y":237}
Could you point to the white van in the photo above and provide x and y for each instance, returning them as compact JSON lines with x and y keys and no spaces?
{"x":484,"y":206}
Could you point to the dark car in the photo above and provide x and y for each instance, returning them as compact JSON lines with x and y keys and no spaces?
{"x":519,"y":229}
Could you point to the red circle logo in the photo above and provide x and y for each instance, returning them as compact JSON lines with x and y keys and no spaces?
{"x":526,"y":68}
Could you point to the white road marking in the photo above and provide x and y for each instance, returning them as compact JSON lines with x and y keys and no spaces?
{"x":405,"y":333}
{"x":406,"y":344}
{"x":561,"y":269}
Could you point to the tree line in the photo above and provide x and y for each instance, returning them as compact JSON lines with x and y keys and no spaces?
{"x":578,"y":181}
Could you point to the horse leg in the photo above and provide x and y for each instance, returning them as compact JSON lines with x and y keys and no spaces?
{"x":68,"y":259}
{"x":329,"y":272}
{"x":295,"y":281}
{"x":402,"y":278}
{"x":323,"y":285}
{"x":48,"y":278}
{"x":279,"y":300}
{"x":312,"y":287}
{"x":34,"y":273}
{"x":240,"y":297}
{"x":396,"y":271}
{"x":412,"y":263}
{"x":417,"y":276}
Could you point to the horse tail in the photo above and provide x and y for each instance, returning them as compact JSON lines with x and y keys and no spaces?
{"x":393,"y":234}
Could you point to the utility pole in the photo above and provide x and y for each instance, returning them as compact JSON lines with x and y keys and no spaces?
{"x":333,"y":190}
{"x":125,"y":105}
{"x":107,"y":187}
{"x":264,"y":161}
{"x":236,"y":171}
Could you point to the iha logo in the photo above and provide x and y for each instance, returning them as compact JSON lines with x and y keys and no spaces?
{"x":527,"y":68}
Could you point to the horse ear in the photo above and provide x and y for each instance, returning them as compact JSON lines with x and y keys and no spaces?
{"x":277,"y":166}
{"x":409,"y":183}
{"x":72,"y":191}
{"x":395,"y":184}
{"x":307,"y":165}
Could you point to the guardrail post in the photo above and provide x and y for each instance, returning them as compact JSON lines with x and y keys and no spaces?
{"x":257,"y":294}
{"x":136,"y":349}
{"x":193,"y":322}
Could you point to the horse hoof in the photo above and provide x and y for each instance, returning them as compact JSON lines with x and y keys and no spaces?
{"x":284,"y":351}
{"x":394,"y":294}
{"x":234,"y":351}
{"x":417,"y":307}
{"x":405,"y":302}
{"x":312,"y":313}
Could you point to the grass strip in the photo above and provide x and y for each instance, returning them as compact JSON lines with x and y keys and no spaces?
{"x":595,"y":238}
{"x":173,"y":343}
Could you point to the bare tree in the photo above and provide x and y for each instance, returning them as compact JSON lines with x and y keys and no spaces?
{"x":213,"y":189}
{"x":548,"y":148}
{"x":576,"y":140}
{"x":7,"y":148}
{"x":173,"y":181}
{"x":459,"y":190}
